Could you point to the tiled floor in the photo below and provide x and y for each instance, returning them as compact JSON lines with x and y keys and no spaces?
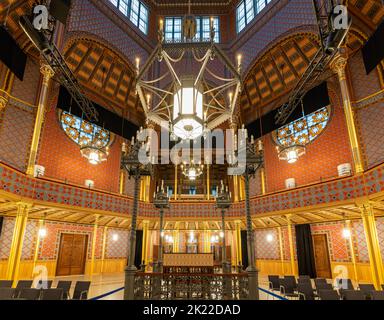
{"x":102,"y":284}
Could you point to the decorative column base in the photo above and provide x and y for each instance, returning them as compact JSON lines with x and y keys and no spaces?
{"x":129,"y":293}
{"x":253,"y":283}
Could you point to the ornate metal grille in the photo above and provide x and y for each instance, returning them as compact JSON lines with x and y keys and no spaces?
{"x":159,"y":286}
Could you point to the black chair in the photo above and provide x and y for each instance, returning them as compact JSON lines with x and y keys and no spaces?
{"x":292,"y":281}
{"x":305,"y":291}
{"x":29,"y":294}
{"x":274,"y":283}
{"x":377,"y":295}
{"x":52,"y":294}
{"x":81,"y":290}
{"x":320,"y":281}
{"x":323,"y":286}
{"x":23,"y":284}
{"x":44,"y":284}
{"x":287,"y":288}
{"x":353,"y":295}
{"x":382,"y":287}
{"x":305,"y":280}
{"x":6,"y":283}
{"x":304,"y":277}
{"x":367,"y":289}
{"x":66,"y":287}
{"x":7,"y":293}
{"x":328,"y":295}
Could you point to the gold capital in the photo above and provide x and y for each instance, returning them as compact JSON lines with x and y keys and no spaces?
{"x":47,"y":73}
{"x":338,"y":66}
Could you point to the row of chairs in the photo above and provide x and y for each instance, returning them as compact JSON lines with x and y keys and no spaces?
{"x":304,"y":290}
{"x":43,"y":290}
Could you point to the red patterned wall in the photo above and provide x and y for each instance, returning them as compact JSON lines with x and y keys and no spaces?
{"x":62,"y":159}
{"x":323,"y":156}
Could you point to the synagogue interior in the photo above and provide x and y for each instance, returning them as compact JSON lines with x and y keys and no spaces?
{"x":205,"y":150}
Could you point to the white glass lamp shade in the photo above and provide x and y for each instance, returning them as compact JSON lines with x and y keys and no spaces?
{"x":188,"y":113}
{"x":269,"y":238}
{"x":43,"y":232}
{"x":292,"y":156}
{"x":346,"y":233}
{"x":115,"y":237}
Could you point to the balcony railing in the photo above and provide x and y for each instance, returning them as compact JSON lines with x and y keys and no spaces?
{"x":159,"y":286}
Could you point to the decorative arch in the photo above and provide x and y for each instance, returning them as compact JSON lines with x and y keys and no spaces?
{"x":279,"y":67}
{"x":103,"y":71}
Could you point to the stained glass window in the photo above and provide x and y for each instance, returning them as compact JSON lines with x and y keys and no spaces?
{"x":304,"y":130}
{"x":83,"y":132}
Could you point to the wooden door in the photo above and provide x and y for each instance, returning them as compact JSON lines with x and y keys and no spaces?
{"x":72,"y":254}
{"x":320,"y":248}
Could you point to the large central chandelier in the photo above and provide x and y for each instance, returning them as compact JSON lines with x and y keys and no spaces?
{"x":187,"y":96}
{"x":192,"y":170}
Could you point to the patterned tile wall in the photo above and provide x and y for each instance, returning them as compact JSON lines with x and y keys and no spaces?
{"x":267,"y":250}
{"x":117,"y":249}
{"x":371,"y":128}
{"x":17,"y":121}
{"x":360,"y":242}
{"x":6,"y":238}
{"x":380,"y":233}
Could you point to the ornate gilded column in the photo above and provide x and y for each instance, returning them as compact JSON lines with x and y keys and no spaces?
{"x":94,"y":242}
{"x":373,"y":244}
{"x":23,"y":209}
{"x":291,"y":245}
{"x":122,"y":182}
{"x":144,"y":253}
{"x":338,"y":65}
{"x":176,"y":240}
{"x":47,"y":73}
{"x":239,"y":254}
{"x":262,"y":179}
{"x":104,"y":248}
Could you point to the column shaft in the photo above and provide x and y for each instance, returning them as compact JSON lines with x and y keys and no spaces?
{"x":373,"y":245}
{"x":47,"y":73}
{"x":104,"y":248}
{"x":338,"y":65}
{"x":291,"y":246}
{"x":94,"y":242}
{"x":17,"y":241}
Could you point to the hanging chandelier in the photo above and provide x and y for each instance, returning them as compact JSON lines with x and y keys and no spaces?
{"x":291,"y":153}
{"x":187,"y":97}
{"x":192,"y":170}
{"x":94,"y":150}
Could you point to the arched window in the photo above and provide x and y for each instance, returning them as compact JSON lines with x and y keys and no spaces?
{"x":83,"y":132}
{"x":304,"y":130}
